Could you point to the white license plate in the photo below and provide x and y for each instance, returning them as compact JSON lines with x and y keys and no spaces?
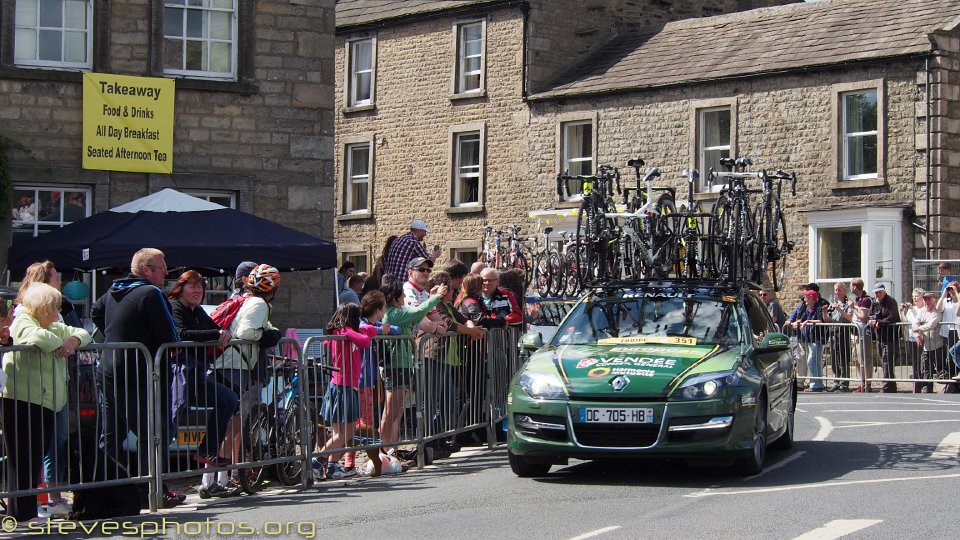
{"x":611,"y":415}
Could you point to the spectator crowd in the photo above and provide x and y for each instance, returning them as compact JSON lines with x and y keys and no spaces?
{"x":448,"y":309}
{"x":871,"y":332}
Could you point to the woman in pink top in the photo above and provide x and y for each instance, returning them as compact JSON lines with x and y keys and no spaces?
{"x":341,"y":402}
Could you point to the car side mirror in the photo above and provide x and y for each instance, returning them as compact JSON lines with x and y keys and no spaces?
{"x":531,"y":341}
{"x":773,"y":342}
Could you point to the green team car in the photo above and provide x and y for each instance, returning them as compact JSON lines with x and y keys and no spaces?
{"x":681,"y":369}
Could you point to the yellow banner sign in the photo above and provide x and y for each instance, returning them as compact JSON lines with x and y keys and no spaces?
{"x":127,"y":123}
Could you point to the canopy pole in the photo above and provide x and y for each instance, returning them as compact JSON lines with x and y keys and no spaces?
{"x":336,"y":287}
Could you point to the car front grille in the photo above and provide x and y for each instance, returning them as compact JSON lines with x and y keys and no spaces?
{"x":616,"y":435}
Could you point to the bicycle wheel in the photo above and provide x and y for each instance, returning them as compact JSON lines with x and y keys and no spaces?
{"x":571,"y":275}
{"x":778,"y":270}
{"x":555,"y":274}
{"x":541,"y":274}
{"x":664,"y":237}
{"x":289,"y":441}
{"x":748,"y":254}
{"x":256,"y":448}
{"x":718,"y":245}
{"x":522,"y":263}
{"x":586,"y":249}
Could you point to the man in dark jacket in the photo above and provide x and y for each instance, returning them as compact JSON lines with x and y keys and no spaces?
{"x":887,"y":316}
{"x":134,"y":309}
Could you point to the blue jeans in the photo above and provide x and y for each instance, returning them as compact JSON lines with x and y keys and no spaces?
{"x":814,"y":364}
{"x":53,"y":460}
{"x":954,"y":353}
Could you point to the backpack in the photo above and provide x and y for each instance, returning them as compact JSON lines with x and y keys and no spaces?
{"x":225,"y":313}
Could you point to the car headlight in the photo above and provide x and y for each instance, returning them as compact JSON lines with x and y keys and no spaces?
{"x":541,"y":385}
{"x":705,"y":385}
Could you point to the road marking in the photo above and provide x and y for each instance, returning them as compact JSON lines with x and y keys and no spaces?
{"x":838,"y":528}
{"x":854,"y":424}
{"x":825,"y":428}
{"x":706,"y":493}
{"x":777,"y":465}
{"x":802,"y":410}
{"x":597,"y":532}
{"x":948,"y":448}
{"x":926,"y":401}
{"x":890,"y":410}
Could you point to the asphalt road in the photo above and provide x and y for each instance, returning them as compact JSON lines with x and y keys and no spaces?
{"x":878,"y":466}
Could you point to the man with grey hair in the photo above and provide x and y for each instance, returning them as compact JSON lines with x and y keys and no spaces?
{"x":134,"y":309}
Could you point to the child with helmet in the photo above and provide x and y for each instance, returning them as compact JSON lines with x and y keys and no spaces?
{"x":242,"y":368}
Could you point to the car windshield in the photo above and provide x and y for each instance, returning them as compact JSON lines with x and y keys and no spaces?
{"x":632,"y":315}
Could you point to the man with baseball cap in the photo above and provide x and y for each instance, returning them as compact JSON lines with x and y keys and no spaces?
{"x":408,"y":247}
{"x":885,"y":331}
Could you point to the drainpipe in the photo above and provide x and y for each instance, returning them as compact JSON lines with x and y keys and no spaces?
{"x":525,"y":9}
{"x":927,"y":155}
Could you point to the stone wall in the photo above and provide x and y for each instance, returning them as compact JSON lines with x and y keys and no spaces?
{"x":945,"y":145}
{"x":411,"y":121}
{"x":270,"y":140}
{"x":414,"y":111}
{"x":782,"y":122}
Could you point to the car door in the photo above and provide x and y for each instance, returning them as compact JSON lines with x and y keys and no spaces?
{"x":774,"y":365}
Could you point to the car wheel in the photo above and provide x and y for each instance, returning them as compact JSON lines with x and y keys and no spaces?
{"x":785,"y":441}
{"x":753,"y":464}
{"x":525,"y":468}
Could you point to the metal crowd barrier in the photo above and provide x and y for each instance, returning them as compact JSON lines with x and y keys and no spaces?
{"x":218,"y":418}
{"x":93,"y":440}
{"x":871,"y":358}
{"x":153,"y":419}
{"x":453,"y":385}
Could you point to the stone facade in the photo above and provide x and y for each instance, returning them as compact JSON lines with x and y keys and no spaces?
{"x":789,"y":120}
{"x":783,"y":122}
{"x":267,"y":137}
{"x":414,"y":113}
{"x":944,"y":125}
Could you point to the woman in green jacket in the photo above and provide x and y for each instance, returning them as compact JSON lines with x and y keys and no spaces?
{"x":36,"y":388}
{"x":398,"y":368}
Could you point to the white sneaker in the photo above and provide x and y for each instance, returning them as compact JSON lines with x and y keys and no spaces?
{"x":58,"y":509}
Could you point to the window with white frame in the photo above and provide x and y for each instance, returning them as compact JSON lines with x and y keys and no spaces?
{"x":37,"y":210}
{"x":359,"y":259}
{"x":54,"y":33}
{"x":845,"y":244}
{"x":361,"y":65}
{"x":468,"y":168}
{"x":200,"y":38}
{"x":358,"y":161}
{"x":576,"y":147}
{"x":223,"y":198}
{"x":470,"y":61}
{"x":713,"y":141}
{"x":860,"y":134}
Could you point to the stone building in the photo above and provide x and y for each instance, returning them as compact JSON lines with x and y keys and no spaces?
{"x":858,"y":97}
{"x":432,"y":112}
{"x":849,"y":94}
{"x":253,"y":122}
